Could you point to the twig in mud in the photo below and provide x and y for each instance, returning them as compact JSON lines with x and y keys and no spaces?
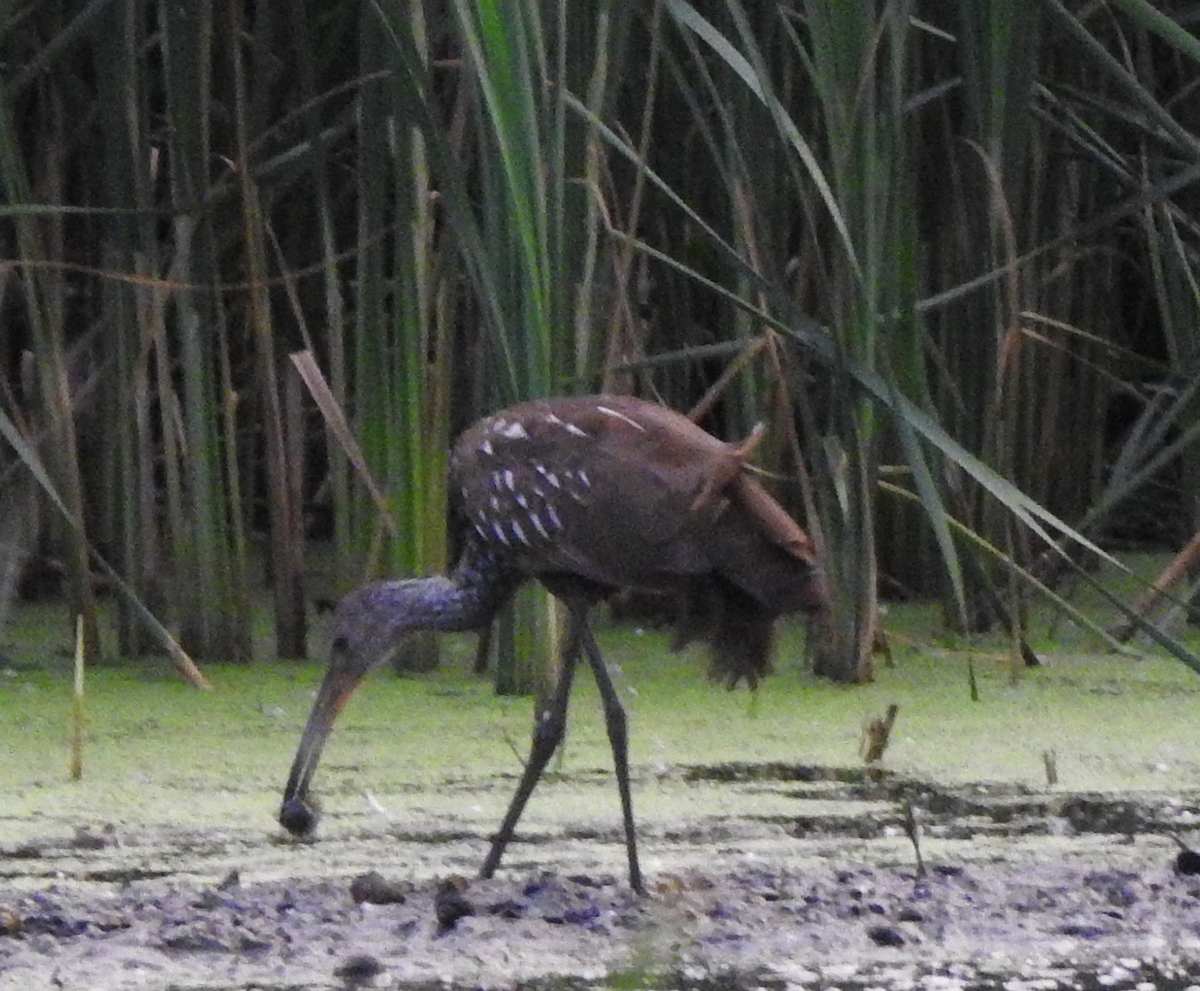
{"x":912,"y":831}
{"x":507,"y":737}
{"x":1050,"y":759}
{"x":877,"y":733}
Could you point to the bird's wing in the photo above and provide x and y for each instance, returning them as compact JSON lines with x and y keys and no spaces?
{"x":599,"y":487}
{"x":616,"y":490}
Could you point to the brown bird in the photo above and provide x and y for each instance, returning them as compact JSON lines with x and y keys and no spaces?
{"x":587,"y":495}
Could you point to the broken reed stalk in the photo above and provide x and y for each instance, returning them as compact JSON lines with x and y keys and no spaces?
{"x":1050,"y":759}
{"x":1183,"y":563}
{"x":77,"y":709}
{"x":876,"y":735}
{"x":913,"y":832}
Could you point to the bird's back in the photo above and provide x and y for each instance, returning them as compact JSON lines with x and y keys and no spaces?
{"x":620,"y":492}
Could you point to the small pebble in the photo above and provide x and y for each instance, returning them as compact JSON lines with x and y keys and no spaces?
{"x":359,"y":968}
{"x":89,"y":838}
{"x":1187,"y":862}
{"x":450,"y":903}
{"x":374,"y":889}
{"x":885,"y":936}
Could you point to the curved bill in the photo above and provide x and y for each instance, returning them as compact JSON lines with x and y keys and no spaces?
{"x":296,"y":815}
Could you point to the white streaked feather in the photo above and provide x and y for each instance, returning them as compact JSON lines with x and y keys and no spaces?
{"x":608,"y":411}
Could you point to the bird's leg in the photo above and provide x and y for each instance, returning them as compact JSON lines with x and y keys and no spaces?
{"x":547,"y":735}
{"x":617,"y":725}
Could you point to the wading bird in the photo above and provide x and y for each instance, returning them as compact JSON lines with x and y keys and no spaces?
{"x":587,"y":495}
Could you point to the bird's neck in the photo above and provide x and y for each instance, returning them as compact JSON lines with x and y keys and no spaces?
{"x":476,"y":589}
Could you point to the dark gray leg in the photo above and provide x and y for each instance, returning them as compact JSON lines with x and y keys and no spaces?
{"x":618,"y":737}
{"x":547,"y":735}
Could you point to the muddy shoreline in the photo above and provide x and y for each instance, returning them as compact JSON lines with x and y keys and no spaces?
{"x":1044,"y":889}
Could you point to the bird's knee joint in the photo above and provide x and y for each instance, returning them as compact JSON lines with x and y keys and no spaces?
{"x":548,"y":730}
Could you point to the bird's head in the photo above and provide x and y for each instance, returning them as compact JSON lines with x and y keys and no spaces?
{"x":369,"y":625}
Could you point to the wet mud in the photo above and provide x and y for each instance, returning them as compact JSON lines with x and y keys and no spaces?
{"x":819,"y":885}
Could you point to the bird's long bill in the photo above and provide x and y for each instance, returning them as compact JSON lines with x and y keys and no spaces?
{"x":339,"y":684}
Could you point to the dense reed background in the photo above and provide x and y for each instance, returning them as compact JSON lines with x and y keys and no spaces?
{"x":258,"y":264}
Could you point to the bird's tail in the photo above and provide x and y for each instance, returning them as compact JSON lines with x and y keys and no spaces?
{"x":738,"y":630}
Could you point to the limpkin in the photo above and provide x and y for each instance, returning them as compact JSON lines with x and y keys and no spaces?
{"x":587,"y":495}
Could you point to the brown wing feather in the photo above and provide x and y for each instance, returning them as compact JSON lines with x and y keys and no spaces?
{"x":777,"y":524}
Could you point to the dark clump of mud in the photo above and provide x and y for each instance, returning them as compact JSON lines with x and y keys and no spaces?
{"x":1101,"y":899}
